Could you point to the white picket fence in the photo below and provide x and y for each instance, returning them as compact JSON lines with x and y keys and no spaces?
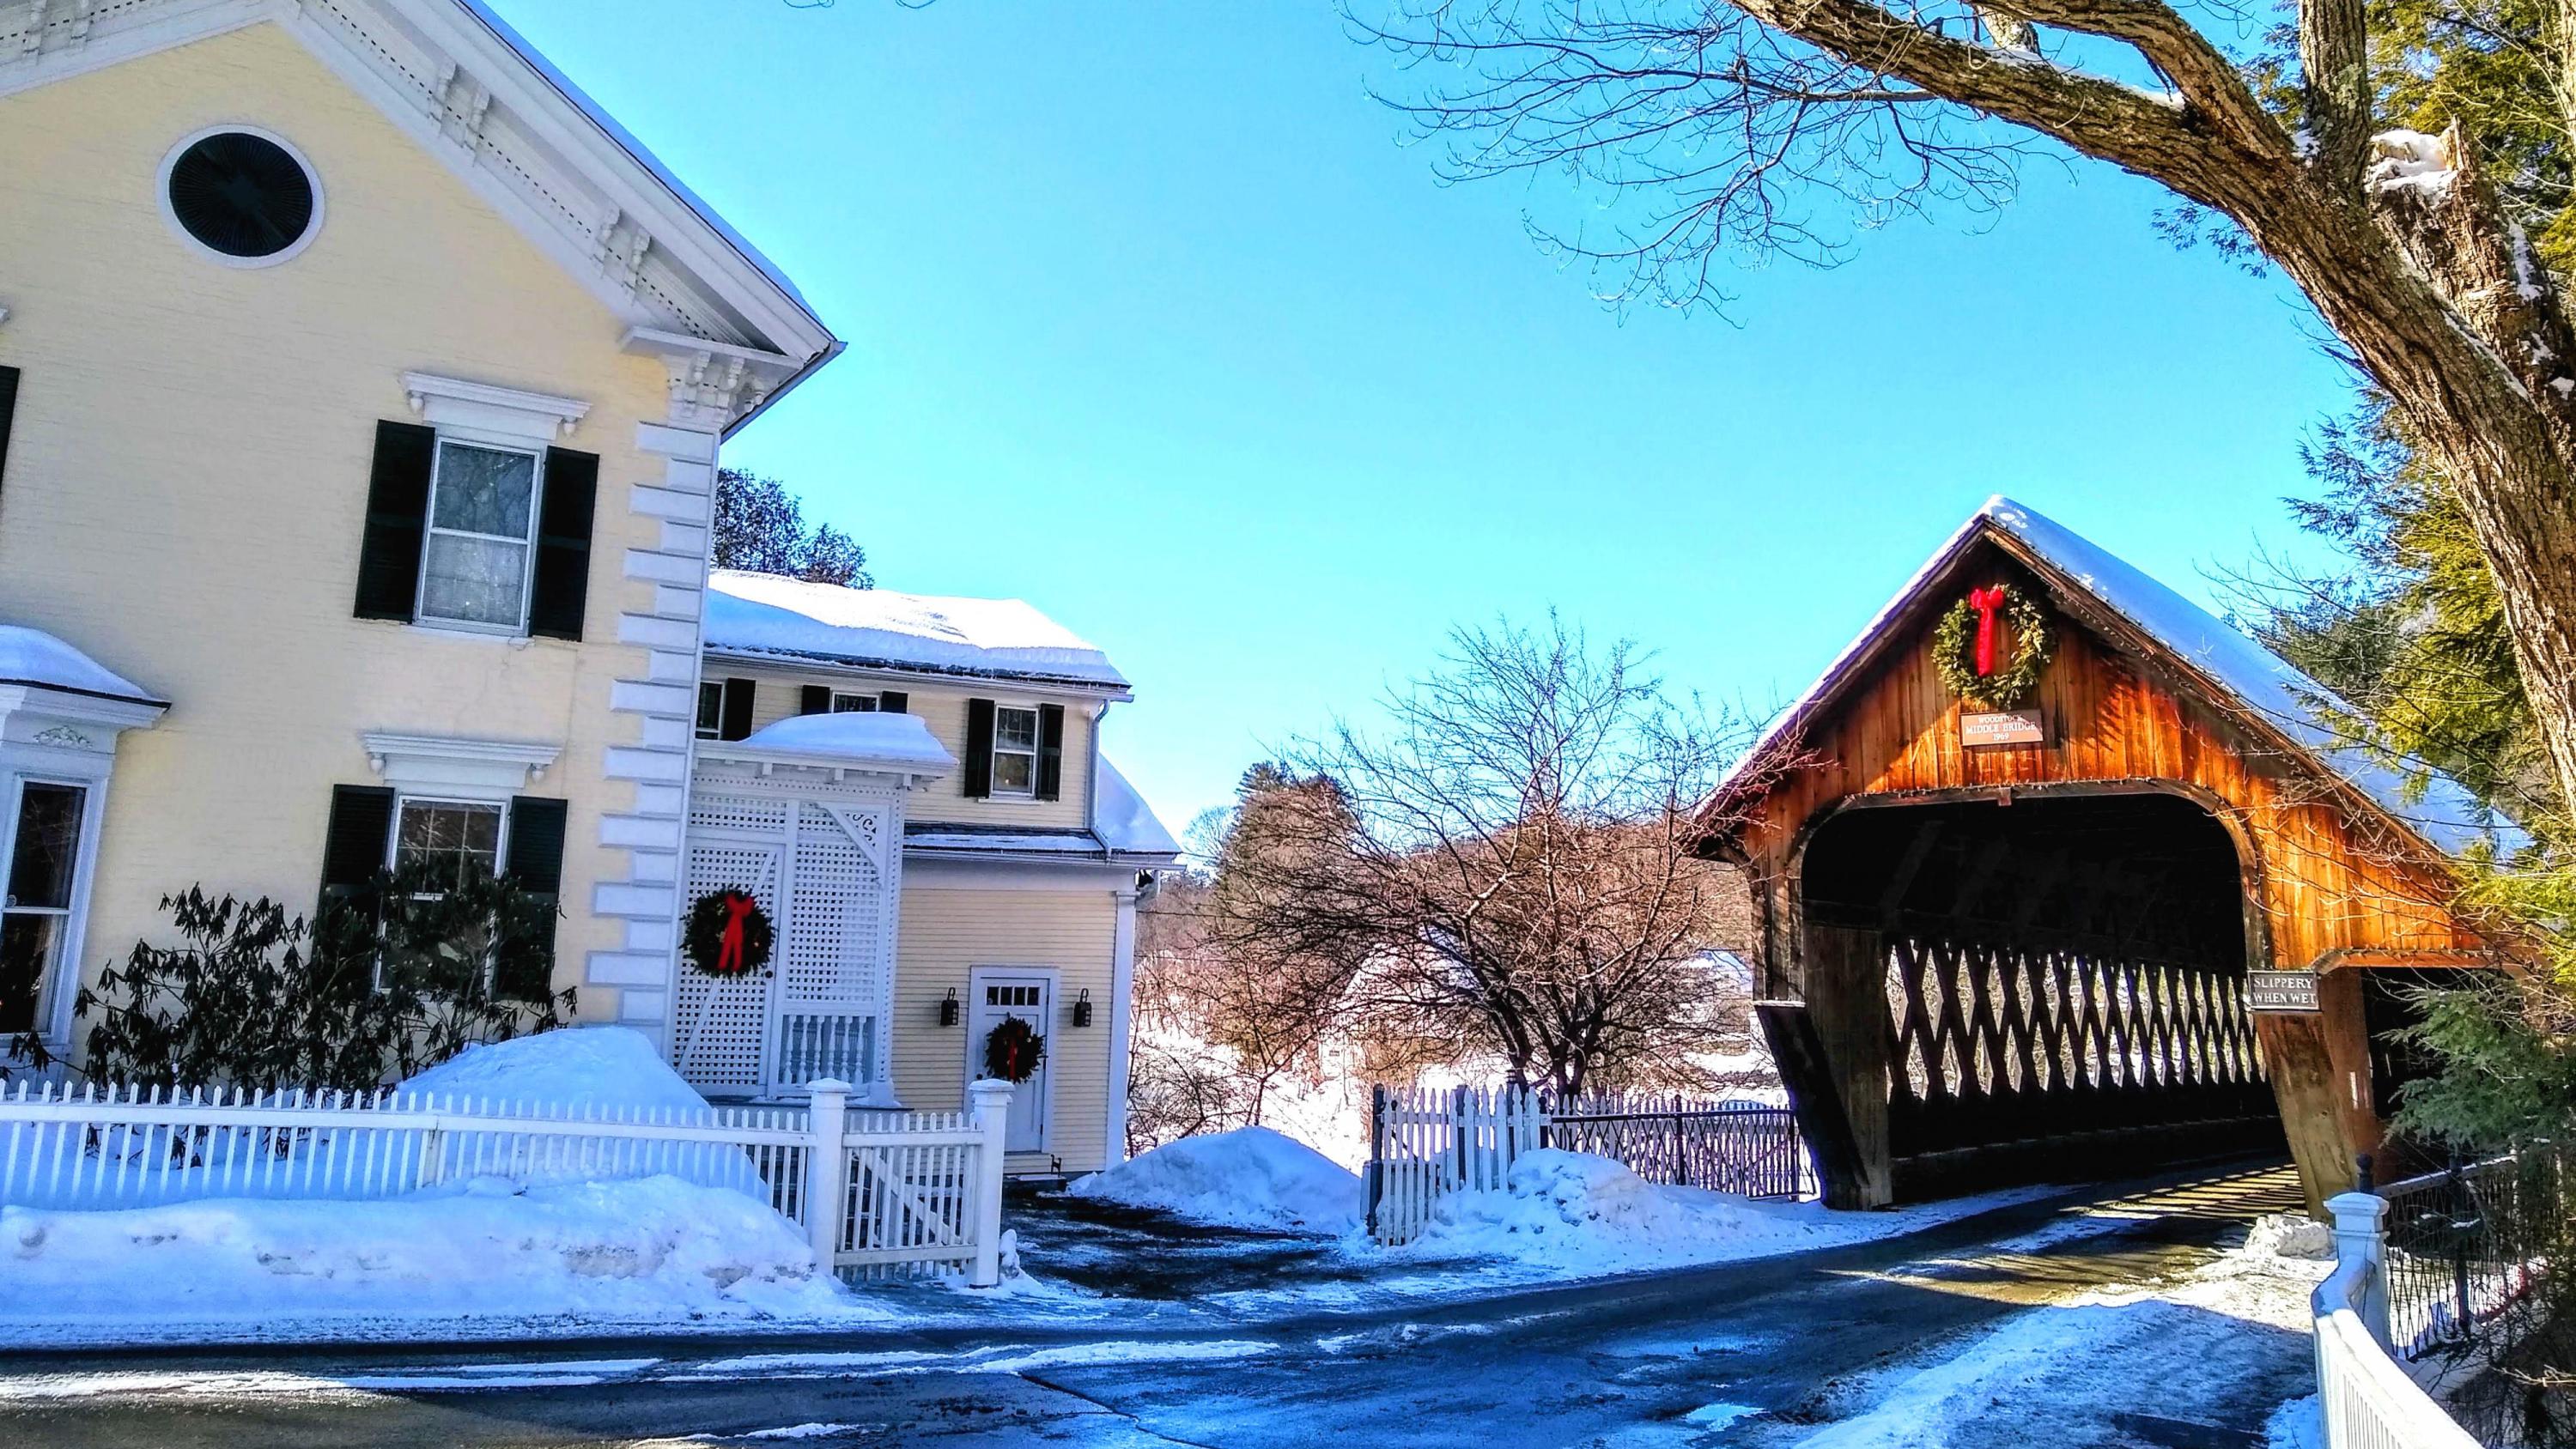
{"x":1426,"y":1142}
{"x":877,"y":1193}
{"x":2369,"y":1400}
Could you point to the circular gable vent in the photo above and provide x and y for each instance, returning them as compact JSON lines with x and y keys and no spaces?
{"x":242,"y":195}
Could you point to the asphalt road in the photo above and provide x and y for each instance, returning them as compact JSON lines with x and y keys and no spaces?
{"x":1626,"y":1362}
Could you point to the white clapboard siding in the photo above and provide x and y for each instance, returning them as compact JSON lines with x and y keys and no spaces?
{"x":905,"y":1191}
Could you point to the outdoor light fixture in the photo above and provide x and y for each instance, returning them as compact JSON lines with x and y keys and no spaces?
{"x":948,"y":1009}
{"x":1082,"y":1008}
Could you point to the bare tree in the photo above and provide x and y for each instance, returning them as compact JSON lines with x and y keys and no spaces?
{"x":1751,"y":124}
{"x":1506,"y":869}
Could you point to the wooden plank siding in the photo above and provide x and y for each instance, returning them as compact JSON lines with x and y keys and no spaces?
{"x":2330,"y":878}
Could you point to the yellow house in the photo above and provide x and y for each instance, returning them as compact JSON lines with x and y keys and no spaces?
{"x":912,"y":789}
{"x":361,"y":386}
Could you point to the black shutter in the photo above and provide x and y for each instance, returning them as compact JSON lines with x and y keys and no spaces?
{"x":397,"y":515}
{"x":1050,"y":752}
{"x":979,"y":748}
{"x":8,"y":408}
{"x":360,"y":837}
{"x":737,"y":710}
{"x":561,"y":590}
{"x":893,"y":701}
{"x":814,"y":699}
{"x":526,"y":969}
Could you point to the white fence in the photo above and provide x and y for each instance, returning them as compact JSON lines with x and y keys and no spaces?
{"x":1425,"y":1143}
{"x":2370,"y":1402}
{"x":876,"y":1192}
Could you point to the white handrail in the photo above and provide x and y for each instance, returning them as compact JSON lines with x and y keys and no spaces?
{"x":2368,"y":1400}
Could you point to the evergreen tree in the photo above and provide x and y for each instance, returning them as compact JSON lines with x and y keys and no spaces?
{"x":761,"y":527}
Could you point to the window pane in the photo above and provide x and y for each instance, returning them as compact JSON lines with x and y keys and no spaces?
{"x":26,"y":959}
{"x":1011,"y":773}
{"x":473,"y":579}
{"x":48,"y":845}
{"x":854,"y":704}
{"x":1016,"y":728}
{"x":456,"y":841}
{"x":484,"y":490}
{"x":710,"y":709}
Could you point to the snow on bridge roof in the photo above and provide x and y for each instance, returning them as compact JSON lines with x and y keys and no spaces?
{"x":2434,"y":806}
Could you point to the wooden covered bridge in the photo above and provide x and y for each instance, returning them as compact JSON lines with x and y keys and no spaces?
{"x":2061,"y":877}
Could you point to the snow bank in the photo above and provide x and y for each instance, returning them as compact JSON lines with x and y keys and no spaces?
{"x":650,"y":1248}
{"x":573,"y":1068}
{"x":1251,"y":1177}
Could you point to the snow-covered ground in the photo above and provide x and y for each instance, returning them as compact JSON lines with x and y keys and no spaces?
{"x":1251,"y":1177}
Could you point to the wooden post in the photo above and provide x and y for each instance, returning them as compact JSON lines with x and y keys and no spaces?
{"x":993,"y":1119}
{"x":1816,"y":1099}
{"x":827,"y":1169}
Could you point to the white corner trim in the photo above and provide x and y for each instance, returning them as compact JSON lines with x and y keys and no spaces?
{"x":482,"y":407}
{"x":491,"y":769}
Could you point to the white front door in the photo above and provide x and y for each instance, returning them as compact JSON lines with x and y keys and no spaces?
{"x":1029,"y":996}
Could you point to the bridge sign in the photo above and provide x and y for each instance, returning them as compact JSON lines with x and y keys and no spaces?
{"x":2281,"y":990}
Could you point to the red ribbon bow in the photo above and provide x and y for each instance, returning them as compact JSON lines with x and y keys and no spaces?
{"x":738,"y":909}
{"x":1986,"y":602}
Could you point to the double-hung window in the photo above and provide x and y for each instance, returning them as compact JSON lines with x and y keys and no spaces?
{"x":711,"y":710}
{"x":39,"y":858}
{"x":458,"y":840}
{"x":1015,"y":751}
{"x":481,"y":539}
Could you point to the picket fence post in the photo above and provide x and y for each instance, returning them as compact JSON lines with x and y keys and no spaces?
{"x":2360,"y":1238}
{"x":992,"y":1119}
{"x":827,"y":1168}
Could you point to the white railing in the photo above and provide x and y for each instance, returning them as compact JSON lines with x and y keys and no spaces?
{"x":2368,"y":1399}
{"x":901,"y":1191}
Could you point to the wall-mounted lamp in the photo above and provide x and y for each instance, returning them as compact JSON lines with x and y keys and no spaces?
{"x":948,"y":1009}
{"x":1082,"y":1008}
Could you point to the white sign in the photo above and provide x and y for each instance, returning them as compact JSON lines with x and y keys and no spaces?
{"x":2281,"y":990}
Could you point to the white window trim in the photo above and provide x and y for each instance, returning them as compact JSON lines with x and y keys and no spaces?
{"x":404,"y":800}
{"x":868,"y":705}
{"x":294,"y":249}
{"x":482,"y":772}
{"x":54,"y":737}
{"x":58,"y":985}
{"x":430,"y":529}
{"x":1036,"y":750}
{"x":476,"y":411}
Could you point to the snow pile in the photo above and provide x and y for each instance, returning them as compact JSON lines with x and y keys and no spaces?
{"x":1577,"y":1211}
{"x":610,"y":1067}
{"x":654,"y":1248}
{"x":771,"y":614}
{"x":31,"y":656}
{"x":856,"y":735}
{"x":2410,"y":161}
{"x":1251,"y":1177}
{"x":2291,"y":1235}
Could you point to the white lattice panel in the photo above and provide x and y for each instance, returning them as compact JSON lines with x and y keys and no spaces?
{"x":838,"y":931}
{"x":721,"y":1025}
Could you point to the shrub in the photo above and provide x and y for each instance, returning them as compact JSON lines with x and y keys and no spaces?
{"x":385,"y":980}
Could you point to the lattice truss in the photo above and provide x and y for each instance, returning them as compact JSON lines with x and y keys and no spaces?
{"x":720,"y":1026}
{"x":1993,"y":1041}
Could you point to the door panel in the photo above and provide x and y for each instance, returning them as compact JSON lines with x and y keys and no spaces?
{"x":1029,"y":996}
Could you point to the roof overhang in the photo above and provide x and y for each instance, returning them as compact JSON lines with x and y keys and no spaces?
{"x":854,"y":667}
{"x":476,"y":95}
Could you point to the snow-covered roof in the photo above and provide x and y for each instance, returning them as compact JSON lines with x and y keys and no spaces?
{"x":750,"y":613}
{"x":1125,"y":822}
{"x":2444,"y":813}
{"x":870,"y":738}
{"x":33,"y":657}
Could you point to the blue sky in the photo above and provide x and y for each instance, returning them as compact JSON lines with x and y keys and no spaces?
{"x":1154,"y":322}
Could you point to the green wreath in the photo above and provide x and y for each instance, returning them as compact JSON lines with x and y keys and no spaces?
{"x":1013,"y":1051}
{"x":729,"y":934}
{"x":2011,"y":685}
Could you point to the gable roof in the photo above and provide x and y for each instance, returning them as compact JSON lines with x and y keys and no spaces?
{"x":2245,"y":679}
{"x":477,"y":95}
{"x":769,"y":614}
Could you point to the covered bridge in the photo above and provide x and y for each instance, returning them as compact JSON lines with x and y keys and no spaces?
{"x":2059,"y":876}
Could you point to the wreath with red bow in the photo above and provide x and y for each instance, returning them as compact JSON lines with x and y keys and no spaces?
{"x":729,"y":934}
{"x":1966,"y":649}
{"x":1013,"y":1050}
